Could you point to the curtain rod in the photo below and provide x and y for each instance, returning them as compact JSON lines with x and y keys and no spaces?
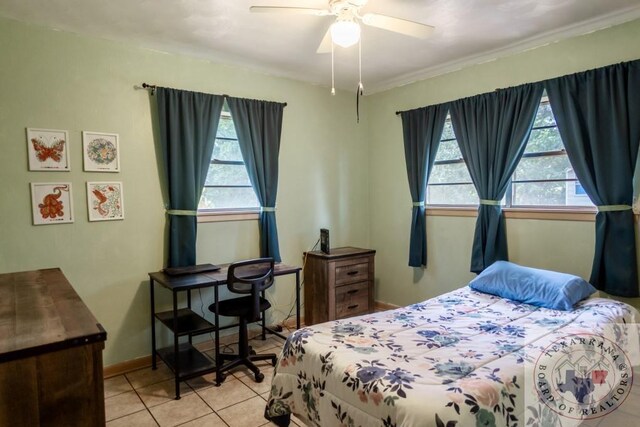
{"x":484,"y":93}
{"x":636,"y":61}
{"x":152,"y":88}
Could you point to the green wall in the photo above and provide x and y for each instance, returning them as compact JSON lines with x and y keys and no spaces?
{"x":334,"y":173}
{"x":57,"y":80}
{"x":560,"y":245}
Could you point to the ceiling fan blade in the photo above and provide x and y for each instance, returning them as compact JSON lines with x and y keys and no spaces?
{"x":325,"y":44}
{"x":398,"y":25}
{"x":289,"y":10}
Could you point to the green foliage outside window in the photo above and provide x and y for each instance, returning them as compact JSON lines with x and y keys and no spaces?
{"x":227,"y":185}
{"x":544,"y":176}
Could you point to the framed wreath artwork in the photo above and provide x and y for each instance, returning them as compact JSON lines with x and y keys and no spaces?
{"x":51,"y":203}
{"x":48,"y":150}
{"x":101,"y":152}
{"x":105,"y":201}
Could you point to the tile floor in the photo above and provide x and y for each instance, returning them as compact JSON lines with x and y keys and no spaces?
{"x":146,"y":397}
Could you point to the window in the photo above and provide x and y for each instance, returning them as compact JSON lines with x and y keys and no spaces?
{"x":227,"y":186}
{"x":543,"y":178}
{"x":450,"y":182}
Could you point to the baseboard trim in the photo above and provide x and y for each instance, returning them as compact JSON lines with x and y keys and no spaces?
{"x":126,"y":367}
{"x":145,"y":361}
{"x":383,"y":306}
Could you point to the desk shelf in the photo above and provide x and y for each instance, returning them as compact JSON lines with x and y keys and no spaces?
{"x":192,"y":362}
{"x":189,"y":323}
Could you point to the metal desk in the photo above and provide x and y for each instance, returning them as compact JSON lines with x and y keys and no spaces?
{"x":185,"y":360}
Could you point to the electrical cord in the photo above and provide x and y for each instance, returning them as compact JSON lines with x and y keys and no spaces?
{"x":304,"y":264}
{"x":226,"y":348}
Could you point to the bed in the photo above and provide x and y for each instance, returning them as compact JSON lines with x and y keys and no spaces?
{"x":457,"y":359}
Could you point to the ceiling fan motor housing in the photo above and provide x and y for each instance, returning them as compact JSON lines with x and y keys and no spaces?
{"x":338,"y":7}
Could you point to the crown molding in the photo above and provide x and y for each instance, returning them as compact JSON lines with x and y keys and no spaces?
{"x":569,"y":31}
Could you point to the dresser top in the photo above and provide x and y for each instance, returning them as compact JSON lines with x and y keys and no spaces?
{"x":41,"y":312}
{"x":336,"y":253}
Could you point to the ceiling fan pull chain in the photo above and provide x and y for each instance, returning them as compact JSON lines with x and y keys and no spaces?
{"x":333,"y":80}
{"x":360,"y":88}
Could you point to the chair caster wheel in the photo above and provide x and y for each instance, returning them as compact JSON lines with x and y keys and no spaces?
{"x":274,"y":361}
{"x":252,"y":352}
{"x":259,"y":377}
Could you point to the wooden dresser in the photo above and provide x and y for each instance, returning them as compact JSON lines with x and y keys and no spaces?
{"x":338,"y":285}
{"x":50,"y":353}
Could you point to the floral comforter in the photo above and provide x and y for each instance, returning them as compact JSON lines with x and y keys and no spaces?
{"x":457,"y":359}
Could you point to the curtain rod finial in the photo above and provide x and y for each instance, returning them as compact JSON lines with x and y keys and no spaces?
{"x":148,"y":86}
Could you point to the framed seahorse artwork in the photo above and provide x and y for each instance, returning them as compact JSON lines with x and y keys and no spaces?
{"x":48,"y":150}
{"x":101,"y":152}
{"x":105,"y":201}
{"x":51,"y":203}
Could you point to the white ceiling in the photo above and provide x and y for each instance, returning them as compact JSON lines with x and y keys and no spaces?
{"x":467,"y":32}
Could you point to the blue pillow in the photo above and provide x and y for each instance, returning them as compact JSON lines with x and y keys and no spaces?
{"x":543,"y":288}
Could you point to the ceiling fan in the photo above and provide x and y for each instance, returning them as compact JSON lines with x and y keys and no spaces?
{"x":345,"y":31}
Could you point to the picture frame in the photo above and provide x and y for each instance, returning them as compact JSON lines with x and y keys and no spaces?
{"x":51,"y":203}
{"x":101,"y":152}
{"x":105,"y":201}
{"x":48,"y":150}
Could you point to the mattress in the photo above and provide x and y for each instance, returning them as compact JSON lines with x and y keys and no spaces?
{"x":463,"y":358}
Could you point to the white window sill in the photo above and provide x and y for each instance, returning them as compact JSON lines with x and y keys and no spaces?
{"x":228,"y":215}
{"x":546,"y":213}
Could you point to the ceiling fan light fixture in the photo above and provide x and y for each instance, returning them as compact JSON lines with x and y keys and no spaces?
{"x":345,"y":33}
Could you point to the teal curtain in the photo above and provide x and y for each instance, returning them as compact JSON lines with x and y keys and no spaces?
{"x":188,"y":123}
{"x":492,"y":130}
{"x":598,"y":116}
{"x":259,"y":126}
{"x":422,"y":131}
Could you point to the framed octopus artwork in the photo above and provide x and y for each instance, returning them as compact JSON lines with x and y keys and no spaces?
{"x":51,"y":203}
{"x":100,"y":152}
{"x":105,"y":201}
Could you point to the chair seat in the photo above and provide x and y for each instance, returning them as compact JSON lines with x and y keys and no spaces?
{"x":240,"y":307}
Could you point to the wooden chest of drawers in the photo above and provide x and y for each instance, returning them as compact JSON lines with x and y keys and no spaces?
{"x":50,"y":353}
{"x":338,"y":285}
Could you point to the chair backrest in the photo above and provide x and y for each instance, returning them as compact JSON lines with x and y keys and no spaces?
{"x":251,"y":277}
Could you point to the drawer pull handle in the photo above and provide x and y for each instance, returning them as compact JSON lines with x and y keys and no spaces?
{"x":351,"y":273}
{"x":352,"y":291}
{"x":351,"y":307}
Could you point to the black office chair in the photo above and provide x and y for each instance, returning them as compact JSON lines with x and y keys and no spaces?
{"x":247,"y":277}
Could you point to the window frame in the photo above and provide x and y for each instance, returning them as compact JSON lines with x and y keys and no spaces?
{"x":227,"y":214}
{"x":569,"y":212}
{"x":449,"y":162}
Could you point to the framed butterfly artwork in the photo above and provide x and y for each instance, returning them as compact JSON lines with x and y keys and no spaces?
{"x":101,"y":152}
{"x":48,"y":150}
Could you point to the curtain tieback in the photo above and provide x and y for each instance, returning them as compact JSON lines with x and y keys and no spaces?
{"x":267,"y":208}
{"x":613,"y":208}
{"x":418,"y":204}
{"x":490,"y":202}
{"x":181,"y":212}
